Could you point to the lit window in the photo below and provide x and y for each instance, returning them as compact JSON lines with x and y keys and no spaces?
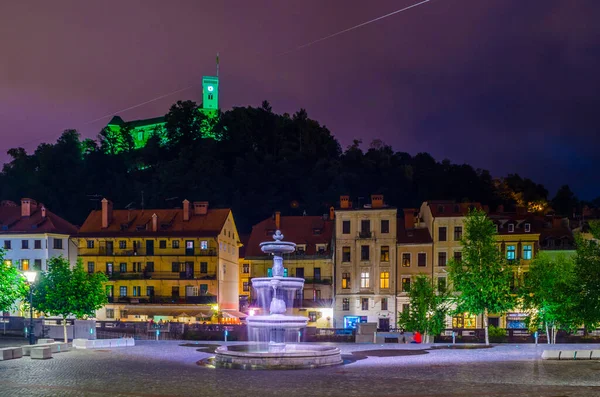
{"x":203,"y":245}
{"x":405,"y":259}
{"x":345,"y":254}
{"x":24,"y":264}
{"x":511,"y":252}
{"x":345,"y":280}
{"x":384,"y":281}
{"x":385,"y":253}
{"x":405,"y":284}
{"x":527,"y":252}
{"x":364,"y":279}
{"x":123,"y":291}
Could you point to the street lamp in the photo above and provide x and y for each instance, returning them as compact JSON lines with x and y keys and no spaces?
{"x":30,"y":276}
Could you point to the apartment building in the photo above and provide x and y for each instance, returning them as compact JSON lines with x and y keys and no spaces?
{"x":365,"y":264}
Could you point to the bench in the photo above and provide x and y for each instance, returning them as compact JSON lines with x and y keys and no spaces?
{"x":102,"y":343}
{"x":41,"y":353}
{"x":9,"y":353}
{"x":570,"y":354}
{"x":45,"y":341}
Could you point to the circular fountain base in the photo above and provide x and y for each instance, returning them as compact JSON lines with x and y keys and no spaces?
{"x":295,"y":356}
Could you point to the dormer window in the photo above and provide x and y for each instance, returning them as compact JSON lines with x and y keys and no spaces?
{"x":321,"y":249}
{"x":301,"y":249}
{"x":527,"y":227}
{"x":511,"y":228}
{"x":317,"y":231}
{"x":441,"y":209}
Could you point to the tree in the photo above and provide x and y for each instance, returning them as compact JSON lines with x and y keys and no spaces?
{"x":482,"y":278}
{"x":550,"y":293}
{"x":565,"y":201}
{"x":587,"y":274}
{"x":13,"y":286}
{"x":427,"y":309}
{"x":63,"y":291}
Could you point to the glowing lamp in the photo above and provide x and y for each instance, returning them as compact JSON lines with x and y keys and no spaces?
{"x":30,"y":276}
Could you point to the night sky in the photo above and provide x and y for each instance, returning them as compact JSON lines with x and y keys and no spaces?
{"x":505,"y":85}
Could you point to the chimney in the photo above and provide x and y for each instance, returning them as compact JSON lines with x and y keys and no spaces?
{"x":377,"y":201}
{"x":154,"y":222}
{"x":345,"y":202}
{"x":186,"y":210}
{"x":409,"y":218}
{"x":331,"y":213}
{"x":43,"y":209}
{"x":107,"y":208}
{"x":200,"y":207}
{"x":277,"y":220}
{"x":28,"y":206}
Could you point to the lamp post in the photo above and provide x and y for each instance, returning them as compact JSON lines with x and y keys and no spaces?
{"x":30,"y":276}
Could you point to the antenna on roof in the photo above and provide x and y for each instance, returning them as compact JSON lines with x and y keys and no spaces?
{"x":130,"y":205}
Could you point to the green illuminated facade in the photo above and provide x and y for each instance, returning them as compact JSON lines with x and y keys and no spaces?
{"x":142,"y":130}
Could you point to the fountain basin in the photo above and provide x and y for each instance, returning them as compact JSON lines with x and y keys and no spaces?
{"x":294,"y":356}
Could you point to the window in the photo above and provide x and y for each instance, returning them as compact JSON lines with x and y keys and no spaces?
{"x":527,"y":228}
{"x":246,"y":268}
{"x":123,"y":267}
{"x":406,"y":259}
{"x":24,"y":264}
{"x":511,"y":228}
{"x":510,"y":252}
{"x":405,"y":284}
{"x":385,"y":253}
{"x":346,"y":304}
{"x":37,"y":244}
{"x":441,"y":259}
{"x":300,"y":249}
{"x":137,"y":291}
{"x":58,"y":245}
{"x":345,"y":227}
{"x":312,"y":317}
{"x":458,"y":256}
{"x":175,"y":291}
{"x":527,"y":252}
{"x":203,"y":245}
{"x":24,"y":244}
{"x":385,"y":226}
{"x":91,"y":267}
{"x":317,"y":273}
{"x":441,"y":284}
{"x":365,"y":226}
{"x":6,"y":244}
{"x":457,"y":233}
{"x":442,"y":233}
{"x":384,"y":280}
{"x":204,"y":267}
{"x":246,"y":286}
{"x":364,"y":252}
{"x":137,"y":267}
{"x":175,"y":244}
{"x":122,"y":244}
{"x":149,"y":267}
{"x":109,"y":268}
{"x":175,"y":267}
{"x":364,"y":303}
{"x":364,"y":279}
{"x":37,"y":264}
{"x":384,"y":304}
{"x":162,"y":244}
{"x":110,"y":291}
{"x":123,"y":291}
{"x":110,"y":313}
{"x":345,"y":254}
{"x":345,"y":280}
{"x":422,"y":259}
{"x":150,"y":290}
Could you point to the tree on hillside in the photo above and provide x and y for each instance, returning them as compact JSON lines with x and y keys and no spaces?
{"x":65,"y":292}
{"x":565,"y":202}
{"x":184,"y":123}
{"x":427,"y":309}
{"x":482,"y":278}
{"x":550,"y":294}
{"x":587,"y":273}
{"x":13,"y":286}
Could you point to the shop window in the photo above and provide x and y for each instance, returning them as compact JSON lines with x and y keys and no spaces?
{"x":464,"y":321}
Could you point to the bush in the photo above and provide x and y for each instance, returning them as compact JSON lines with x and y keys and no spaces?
{"x":495,"y":332}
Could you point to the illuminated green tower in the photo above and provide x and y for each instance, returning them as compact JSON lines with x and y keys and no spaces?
{"x":210,"y":94}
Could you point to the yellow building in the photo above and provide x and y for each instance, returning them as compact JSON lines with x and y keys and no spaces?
{"x":245,"y":287}
{"x":164,"y":264}
{"x":311,"y":261}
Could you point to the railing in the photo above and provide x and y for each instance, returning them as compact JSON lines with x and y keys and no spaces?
{"x":322,"y":280}
{"x":102,"y":251}
{"x":161,"y":276}
{"x":364,"y":234}
{"x":159,"y":299}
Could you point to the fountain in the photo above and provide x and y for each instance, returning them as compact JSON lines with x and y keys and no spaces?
{"x":273,"y":335}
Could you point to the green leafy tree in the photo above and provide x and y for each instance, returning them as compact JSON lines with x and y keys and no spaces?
{"x":13,"y":286}
{"x":63,"y":291}
{"x":427,"y":309}
{"x":550,"y":294}
{"x":482,"y":278}
{"x":587,"y":273}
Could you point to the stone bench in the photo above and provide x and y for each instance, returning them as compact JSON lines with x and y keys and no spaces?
{"x":570,"y":354}
{"x":45,"y":341}
{"x":102,"y":343}
{"x":9,"y":353}
{"x":41,"y":353}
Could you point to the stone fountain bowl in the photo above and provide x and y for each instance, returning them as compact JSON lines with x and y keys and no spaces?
{"x":294,"y":356}
{"x":280,"y":282}
{"x":281,"y":247}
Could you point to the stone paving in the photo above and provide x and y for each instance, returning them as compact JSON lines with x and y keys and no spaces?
{"x":167,"y":369}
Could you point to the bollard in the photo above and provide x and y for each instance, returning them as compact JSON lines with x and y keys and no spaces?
{"x":453,"y":337}
{"x":535,"y":335}
{"x":226,"y":334}
{"x":157,"y":333}
{"x":299,"y":336}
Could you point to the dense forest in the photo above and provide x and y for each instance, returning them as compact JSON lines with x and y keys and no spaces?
{"x":259,"y":163}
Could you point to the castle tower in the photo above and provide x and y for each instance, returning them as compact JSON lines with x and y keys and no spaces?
{"x":210,"y":93}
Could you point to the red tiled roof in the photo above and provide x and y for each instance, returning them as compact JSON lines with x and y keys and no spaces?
{"x":297,"y":229}
{"x":170,"y":223}
{"x":503,"y":219}
{"x":411,"y":236}
{"x":450,"y":208}
{"x":13,"y":222}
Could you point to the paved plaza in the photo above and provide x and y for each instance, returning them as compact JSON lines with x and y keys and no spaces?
{"x":167,"y":368}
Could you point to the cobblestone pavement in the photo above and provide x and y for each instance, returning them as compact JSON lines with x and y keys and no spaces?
{"x":167,"y":369}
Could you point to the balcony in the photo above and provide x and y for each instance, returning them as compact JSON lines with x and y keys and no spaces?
{"x":160,"y":299}
{"x":322,"y":281}
{"x":365,"y":234}
{"x":162,"y":276}
{"x":103,"y":251}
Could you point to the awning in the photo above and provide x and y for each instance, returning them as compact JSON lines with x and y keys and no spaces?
{"x":234,"y":314}
{"x":167,"y":311}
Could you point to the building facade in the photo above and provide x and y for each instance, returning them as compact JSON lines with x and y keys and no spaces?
{"x":365,"y":264}
{"x":311,"y":261}
{"x":164,"y":264}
